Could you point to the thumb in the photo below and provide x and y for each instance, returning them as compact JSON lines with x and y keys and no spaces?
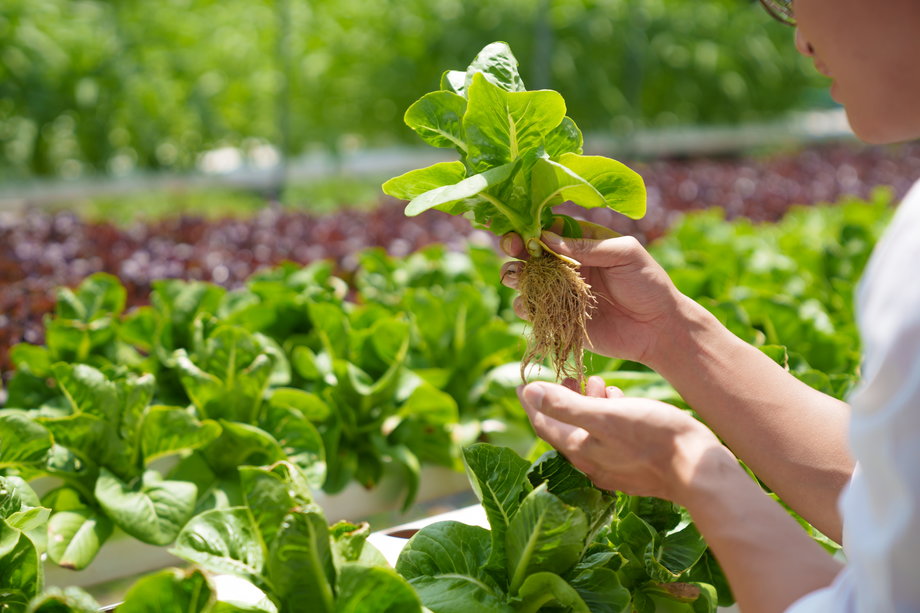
{"x":605,"y":253}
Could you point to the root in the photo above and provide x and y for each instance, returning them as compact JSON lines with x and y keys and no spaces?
{"x":559,"y":303}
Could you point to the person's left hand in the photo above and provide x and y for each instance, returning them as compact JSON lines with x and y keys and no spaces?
{"x":634,"y":445}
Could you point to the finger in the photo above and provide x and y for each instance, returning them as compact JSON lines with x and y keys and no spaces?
{"x":563,"y":404}
{"x":510,"y":272}
{"x":520,"y":309}
{"x":596,"y":231}
{"x":614,"y":392}
{"x":610,"y":252}
{"x":564,"y":437}
{"x":512,"y":245}
{"x":571,"y":383}
{"x":588,"y":229}
{"x":595,"y":387}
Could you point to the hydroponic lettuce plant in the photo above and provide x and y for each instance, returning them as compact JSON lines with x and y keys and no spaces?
{"x":280,"y":544}
{"x":520,"y":155}
{"x":97,"y":440}
{"x":557,"y":543}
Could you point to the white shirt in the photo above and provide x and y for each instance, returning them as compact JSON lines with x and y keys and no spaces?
{"x":881,"y":505}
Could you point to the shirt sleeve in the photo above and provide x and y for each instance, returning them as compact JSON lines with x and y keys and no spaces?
{"x":837,"y":598}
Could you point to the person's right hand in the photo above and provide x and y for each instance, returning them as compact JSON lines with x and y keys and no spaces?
{"x":636,"y":300}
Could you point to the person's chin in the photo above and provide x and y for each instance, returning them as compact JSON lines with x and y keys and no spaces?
{"x":877,"y":120}
{"x":879,"y":132}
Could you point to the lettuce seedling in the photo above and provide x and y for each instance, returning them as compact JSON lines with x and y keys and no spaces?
{"x":520,"y":155}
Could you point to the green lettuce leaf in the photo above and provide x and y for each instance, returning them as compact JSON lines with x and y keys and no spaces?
{"x":461,"y":196}
{"x":600,"y":589}
{"x":498,"y":476}
{"x":75,"y":536}
{"x":153,"y":510}
{"x":437,"y":118}
{"x":545,"y":535}
{"x":300,"y":564}
{"x":545,"y":588}
{"x":349,"y":544}
{"x":503,"y":126}
{"x":67,"y":600}
{"x":225,"y":541}
{"x":22,"y":441}
{"x":227,"y":374}
{"x":271,"y":492}
{"x":373,"y":589}
{"x":171,"y":589}
{"x":497,"y":64}
{"x":446,"y":563}
{"x":20,"y":563}
{"x":168,"y":430}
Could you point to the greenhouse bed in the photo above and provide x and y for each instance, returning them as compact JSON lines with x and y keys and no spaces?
{"x":125,"y":557}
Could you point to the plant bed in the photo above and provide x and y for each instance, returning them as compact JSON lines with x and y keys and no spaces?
{"x":123,"y":556}
{"x":135,"y":423}
{"x":279,"y":543}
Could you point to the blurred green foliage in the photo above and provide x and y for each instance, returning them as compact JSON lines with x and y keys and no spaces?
{"x":150,"y":206}
{"x":108,"y":86}
{"x":328,"y":194}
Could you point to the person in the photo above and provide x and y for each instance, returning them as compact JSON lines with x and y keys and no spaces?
{"x":812,"y":450}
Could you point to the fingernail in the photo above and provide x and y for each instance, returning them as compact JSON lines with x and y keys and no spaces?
{"x":532,"y":396}
{"x":506,"y":243}
{"x":551,"y":238}
{"x":614,"y":392}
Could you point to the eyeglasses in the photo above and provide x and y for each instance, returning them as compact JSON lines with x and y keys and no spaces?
{"x":780,"y":10}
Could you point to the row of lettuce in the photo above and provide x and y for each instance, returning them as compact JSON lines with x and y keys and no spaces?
{"x":183,"y":421}
{"x":291,"y":367}
{"x":554,"y":541}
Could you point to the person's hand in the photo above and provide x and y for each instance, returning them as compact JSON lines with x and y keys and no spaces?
{"x":634,"y":445}
{"x":636,"y":299}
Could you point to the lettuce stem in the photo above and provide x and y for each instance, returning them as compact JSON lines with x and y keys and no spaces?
{"x":526,"y":229}
{"x":564,"y":258}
